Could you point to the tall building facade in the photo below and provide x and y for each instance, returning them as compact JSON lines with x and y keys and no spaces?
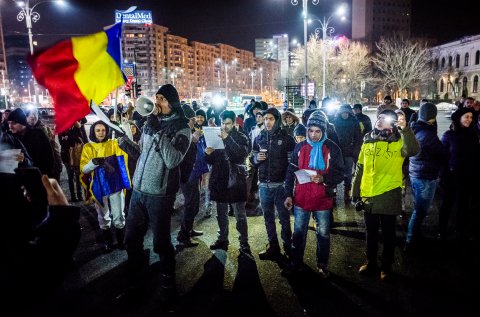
{"x":194,"y":68}
{"x":457,"y":69}
{"x":372,"y":19}
{"x":275,"y":48}
{"x":19,"y":73}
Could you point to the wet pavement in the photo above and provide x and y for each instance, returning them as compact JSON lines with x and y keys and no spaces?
{"x":438,"y":280}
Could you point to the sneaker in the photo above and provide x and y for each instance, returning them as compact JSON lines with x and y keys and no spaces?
{"x":187,"y":243}
{"x":323,"y":272}
{"x":245,"y":248}
{"x":195,"y":233}
{"x":218,"y":244}
{"x":368,"y":269}
{"x":271,"y":253}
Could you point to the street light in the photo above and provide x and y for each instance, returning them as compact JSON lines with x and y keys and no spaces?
{"x":261,"y":80}
{"x":220,"y":62}
{"x":252,"y":73}
{"x":28,"y":14}
{"x":325,"y":28}
{"x":305,"y":27}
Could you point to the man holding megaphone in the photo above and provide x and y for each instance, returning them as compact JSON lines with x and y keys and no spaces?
{"x":164,"y":142}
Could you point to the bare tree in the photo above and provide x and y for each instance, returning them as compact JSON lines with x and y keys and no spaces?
{"x":352,"y":67}
{"x":402,"y":62}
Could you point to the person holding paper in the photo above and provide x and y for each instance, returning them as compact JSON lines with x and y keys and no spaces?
{"x":322,"y":155}
{"x":223,"y":163}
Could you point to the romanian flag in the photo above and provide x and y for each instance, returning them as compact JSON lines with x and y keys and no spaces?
{"x":78,"y":70}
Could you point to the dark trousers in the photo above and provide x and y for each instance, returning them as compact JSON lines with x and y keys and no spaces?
{"x":191,"y":193}
{"x":456,"y":189}
{"x":154,"y":211}
{"x":373,"y":223}
{"x":73,"y":174}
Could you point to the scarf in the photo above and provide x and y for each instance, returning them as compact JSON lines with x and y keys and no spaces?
{"x":316,"y":155}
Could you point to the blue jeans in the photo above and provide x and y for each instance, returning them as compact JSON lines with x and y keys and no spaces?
{"x":348,"y":171}
{"x":423,"y":193}
{"x":302,"y":218}
{"x":271,"y":197}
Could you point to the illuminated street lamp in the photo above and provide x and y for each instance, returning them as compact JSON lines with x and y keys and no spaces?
{"x":305,"y":30}
{"x":28,"y":14}
{"x":325,"y":28}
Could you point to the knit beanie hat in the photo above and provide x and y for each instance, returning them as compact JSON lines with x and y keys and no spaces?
{"x":264,"y":105}
{"x":171,"y":94}
{"x":19,"y":116}
{"x":455,"y":116}
{"x":188,"y":111}
{"x":318,"y":119}
{"x":300,"y":130}
{"x":201,"y":112}
{"x":427,"y":111}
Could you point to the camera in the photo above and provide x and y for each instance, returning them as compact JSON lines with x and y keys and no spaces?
{"x":359,"y":205}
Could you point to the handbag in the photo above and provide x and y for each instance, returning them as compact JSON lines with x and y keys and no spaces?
{"x":237,"y":174}
{"x":75,"y":154}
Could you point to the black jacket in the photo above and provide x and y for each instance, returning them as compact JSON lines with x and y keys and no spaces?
{"x":236,"y":151}
{"x":428,"y":162}
{"x":279,"y":145}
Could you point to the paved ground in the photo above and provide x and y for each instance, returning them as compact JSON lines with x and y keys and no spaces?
{"x":439,"y":281}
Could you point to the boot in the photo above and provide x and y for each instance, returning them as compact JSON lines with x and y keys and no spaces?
{"x":107,"y":240}
{"x":271,"y":253}
{"x":120,"y":233}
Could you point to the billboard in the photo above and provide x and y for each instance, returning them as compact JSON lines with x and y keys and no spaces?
{"x":134,"y":17}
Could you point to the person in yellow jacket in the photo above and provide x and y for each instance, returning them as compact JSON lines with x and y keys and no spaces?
{"x":378,"y":185}
{"x":104,"y":174}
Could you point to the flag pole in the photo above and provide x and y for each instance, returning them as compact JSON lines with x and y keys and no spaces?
{"x":115,"y":112}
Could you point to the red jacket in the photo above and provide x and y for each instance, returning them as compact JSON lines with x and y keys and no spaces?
{"x":312,"y":196}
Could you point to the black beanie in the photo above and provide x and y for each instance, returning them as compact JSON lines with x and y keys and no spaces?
{"x":201,"y":112}
{"x":19,"y":116}
{"x":300,"y":130}
{"x":171,"y":94}
{"x":455,"y":116}
{"x":427,"y":111}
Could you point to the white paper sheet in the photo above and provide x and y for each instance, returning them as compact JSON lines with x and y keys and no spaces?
{"x":212,"y":138}
{"x":8,"y":163}
{"x":303,"y":176}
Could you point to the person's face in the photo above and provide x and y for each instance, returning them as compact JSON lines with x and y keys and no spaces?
{"x":133,"y":129}
{"x":383,"y":122}
{"x":115,"y":119}
{"x":269,"y":121}
{"x":100,"y":132}
{"x":344,"y":115}
{"x":289,"y":119}
{"x":255,"y":111}
{"x":200,"y":120}
{"x":16,"y":128}
{"x":468,"y":103}
{"x":259,"y":119}
{"x":227,"y":125}
{"x":5,"y":115}
{"x":32,"y":119}
{"x":357,"y":111}
{"x":466,"y":120}
{"x":404,"y":104}
{"x":401,"y":119}
{"x":315,"y":134}
{"x":162,"y":103}
{"x":299,"y":138}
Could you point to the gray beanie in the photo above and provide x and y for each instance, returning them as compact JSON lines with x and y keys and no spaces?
{"x":318,"y":119}
{"x":427,"y":111}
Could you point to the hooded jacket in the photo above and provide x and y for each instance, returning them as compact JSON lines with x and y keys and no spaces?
{"x":348,"y":132}
{"x":279,"y":145}
{"x":289,"y":128}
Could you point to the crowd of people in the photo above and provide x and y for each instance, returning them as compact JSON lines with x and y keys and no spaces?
{"x":289,"y":164}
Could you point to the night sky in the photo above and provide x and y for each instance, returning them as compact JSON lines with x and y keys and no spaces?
{"x":234,"y":22}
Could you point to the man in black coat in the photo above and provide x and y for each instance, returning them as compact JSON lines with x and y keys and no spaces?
{"x":272,"y":151}
{"x":224,"y":163}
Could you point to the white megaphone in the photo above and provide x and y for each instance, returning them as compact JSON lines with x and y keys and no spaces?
{"x":144,"y":106}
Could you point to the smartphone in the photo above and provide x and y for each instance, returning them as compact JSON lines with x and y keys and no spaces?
{"x":31,"y":179}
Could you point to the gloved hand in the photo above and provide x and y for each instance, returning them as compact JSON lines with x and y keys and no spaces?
{"x":108,"y":167}
{"x":98,"y":160}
